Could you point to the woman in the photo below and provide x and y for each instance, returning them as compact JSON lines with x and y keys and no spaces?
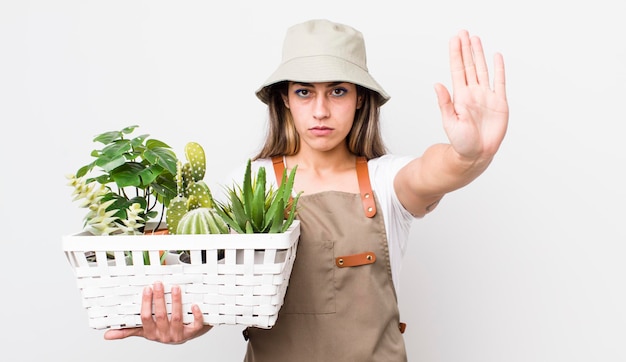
{"x":357,"y":203}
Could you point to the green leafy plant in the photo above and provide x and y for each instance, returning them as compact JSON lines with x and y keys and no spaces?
{"x":253,"y":207}
{"x":125,"y":183}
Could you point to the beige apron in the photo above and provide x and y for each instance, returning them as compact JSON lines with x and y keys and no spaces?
{"x":341,"y":303}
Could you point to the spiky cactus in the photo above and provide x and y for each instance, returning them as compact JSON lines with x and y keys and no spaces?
{"x":193,"y":194}
{"x":202,"y":220}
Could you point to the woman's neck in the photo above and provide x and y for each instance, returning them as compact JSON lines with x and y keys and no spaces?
{"x":324,"y":172}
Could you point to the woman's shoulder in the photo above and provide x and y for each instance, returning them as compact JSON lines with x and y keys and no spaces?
{"x":388,"y":163}
{"x":383,"y":170}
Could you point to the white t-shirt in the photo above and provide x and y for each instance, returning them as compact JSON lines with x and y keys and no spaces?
{"x":382,"y":171}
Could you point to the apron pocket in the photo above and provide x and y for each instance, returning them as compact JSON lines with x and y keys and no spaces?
{"x":311,"y":287}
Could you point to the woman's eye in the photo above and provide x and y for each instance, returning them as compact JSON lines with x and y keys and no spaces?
{"x":339,"y":91}
{"x":302,"y":92}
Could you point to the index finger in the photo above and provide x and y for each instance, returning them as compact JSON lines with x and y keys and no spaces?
{"x":146,"y":309}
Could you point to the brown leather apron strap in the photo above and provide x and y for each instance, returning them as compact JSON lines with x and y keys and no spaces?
{"x":356,"y":259}
{"x":367,"y":196}
{"x":279,"y":168}
{"x":363,"y":176}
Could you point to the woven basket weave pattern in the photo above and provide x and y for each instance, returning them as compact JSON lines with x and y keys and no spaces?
{"x":246,"y":287}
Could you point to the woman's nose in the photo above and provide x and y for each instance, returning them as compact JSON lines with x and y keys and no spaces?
{"x":321,"y":109}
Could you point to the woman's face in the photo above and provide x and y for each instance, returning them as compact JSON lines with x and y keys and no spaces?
{"x":323,"y":113}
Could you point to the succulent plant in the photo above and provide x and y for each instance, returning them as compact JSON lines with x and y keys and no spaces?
{"x":192,"y":210}
{"x":202,"y":220}
{"x":102,"y":219}
{"x":252,"y":207}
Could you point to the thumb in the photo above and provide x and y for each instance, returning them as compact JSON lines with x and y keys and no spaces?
{"x":112,"y":334}
{"x":445,"y":101}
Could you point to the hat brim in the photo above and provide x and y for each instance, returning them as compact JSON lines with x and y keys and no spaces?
{"x":321,"y":68}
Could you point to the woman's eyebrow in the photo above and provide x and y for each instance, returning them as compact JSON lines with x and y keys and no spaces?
{"x":330,"y":85}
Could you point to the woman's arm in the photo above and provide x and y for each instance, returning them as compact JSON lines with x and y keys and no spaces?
{"x":475,"y":121}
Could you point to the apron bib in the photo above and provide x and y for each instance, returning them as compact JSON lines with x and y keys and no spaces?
{"x":340,"y":304}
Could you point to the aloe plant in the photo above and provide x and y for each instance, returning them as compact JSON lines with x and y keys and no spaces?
{"x":254,"y":207}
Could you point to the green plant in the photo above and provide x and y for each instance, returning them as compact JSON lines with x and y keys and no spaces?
{"x":192,"y":210}
{"x":126,"y":181}
{"x":252,"y":207}
{"x":202,"y":220}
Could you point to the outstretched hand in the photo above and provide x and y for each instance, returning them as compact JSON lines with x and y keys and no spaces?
{"x":475,"y":118}
{"x":159,"y":327}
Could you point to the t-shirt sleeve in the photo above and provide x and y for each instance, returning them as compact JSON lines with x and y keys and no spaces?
{"x":397,"y":219}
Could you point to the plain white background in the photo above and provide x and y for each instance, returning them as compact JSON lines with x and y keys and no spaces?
{"x":525,"y":264}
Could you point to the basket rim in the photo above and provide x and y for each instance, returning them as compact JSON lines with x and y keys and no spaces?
{"x":83,"y":241}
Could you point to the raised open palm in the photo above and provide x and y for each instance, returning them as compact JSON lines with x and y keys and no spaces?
{"x":475,"y":118}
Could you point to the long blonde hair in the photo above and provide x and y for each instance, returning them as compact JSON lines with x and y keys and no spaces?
{"x":282,"y":139}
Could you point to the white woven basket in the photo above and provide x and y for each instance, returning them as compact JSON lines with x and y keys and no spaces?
{"x":247,"y":287}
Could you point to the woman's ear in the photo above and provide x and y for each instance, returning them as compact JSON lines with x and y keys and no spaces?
{"x":285,"y":100}
{"x":359,"y":101}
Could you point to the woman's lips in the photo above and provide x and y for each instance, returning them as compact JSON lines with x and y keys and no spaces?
{"x":321,"y":131}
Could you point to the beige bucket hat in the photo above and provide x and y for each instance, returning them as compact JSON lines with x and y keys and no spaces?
{"x":323,"y":51}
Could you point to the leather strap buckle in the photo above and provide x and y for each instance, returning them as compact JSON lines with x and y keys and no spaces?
{"x":402,"y":327}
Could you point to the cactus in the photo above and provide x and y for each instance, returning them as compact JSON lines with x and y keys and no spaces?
{"x":202,"y":220}
{"x":192,"y":192}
